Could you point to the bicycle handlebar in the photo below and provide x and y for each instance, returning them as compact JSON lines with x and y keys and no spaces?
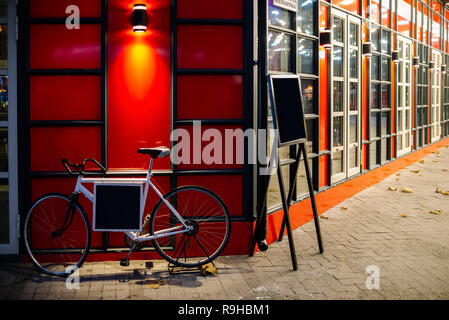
{"x":81,"y":167}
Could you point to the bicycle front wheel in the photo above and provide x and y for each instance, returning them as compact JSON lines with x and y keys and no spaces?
{"x":57,"y":240}
{"x":209,"y":218}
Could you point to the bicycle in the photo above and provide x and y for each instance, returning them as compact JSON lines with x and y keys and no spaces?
{"x":189,"y":226}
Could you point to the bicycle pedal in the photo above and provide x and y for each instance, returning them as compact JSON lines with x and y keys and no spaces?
{"x":124,"y":262}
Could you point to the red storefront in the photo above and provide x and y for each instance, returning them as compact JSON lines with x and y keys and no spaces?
{"x":102,"y":91}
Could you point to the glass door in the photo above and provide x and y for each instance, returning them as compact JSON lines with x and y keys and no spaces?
{"x":435,"y":112}
{"x":8,"y":129}
{"x":403,"y":118}
{"x":345,"y":104}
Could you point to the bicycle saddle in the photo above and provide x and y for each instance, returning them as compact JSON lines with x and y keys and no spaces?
{"x":160,"y":152}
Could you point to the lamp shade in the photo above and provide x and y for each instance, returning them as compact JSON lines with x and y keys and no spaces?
{"x":366,"y":49}
{"x":326,"y":39}
{"x":395,"y":56}
{"x":140,"y":18}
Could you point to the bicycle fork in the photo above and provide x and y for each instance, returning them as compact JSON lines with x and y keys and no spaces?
{"x":68,"y":217}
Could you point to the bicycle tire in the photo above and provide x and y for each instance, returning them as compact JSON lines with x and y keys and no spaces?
{"x":48,"y":251}
{"x":216,"y":228}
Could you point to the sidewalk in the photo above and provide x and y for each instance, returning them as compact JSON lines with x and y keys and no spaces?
{"x":390,"y":230}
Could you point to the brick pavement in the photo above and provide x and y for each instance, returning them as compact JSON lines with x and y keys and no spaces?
{"x":390,"y":230}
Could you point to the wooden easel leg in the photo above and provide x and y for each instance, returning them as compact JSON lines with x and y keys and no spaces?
{"x":312,"y":199}
{"x":287,"y":219}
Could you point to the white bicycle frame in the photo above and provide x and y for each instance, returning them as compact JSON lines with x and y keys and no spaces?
{"x":80,"y":188}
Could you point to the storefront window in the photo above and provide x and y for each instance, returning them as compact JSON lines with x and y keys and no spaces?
{"x":306,"y":56}
{"x":293,"y":48}
{"x":306,"y":16}
{"x":279,"y":51}
{"x":380,"y":118}
{"x":279,"y":17}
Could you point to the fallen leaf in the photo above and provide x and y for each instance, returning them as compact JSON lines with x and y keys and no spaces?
{"x":154,"y":284}
{"x":420,"y":175}
{"x":421,"y":161}
{"x":436,"y":152}
{"x":446,"y":193}
{"x":416,"y":171}
{"x":438,"y":212}
{"x":406,"y":190}
{"x":444,"y":170}
{"x":397,"y":179}
{"x":403,"y":215}
{"x":324,"y":217}
{"x":392,"y":188}
{"x":437,"y":190}
{"x":398,"y":174}
{"x":435,"y":161}
{"x":209,"y":269}
{"x":343,"y":208}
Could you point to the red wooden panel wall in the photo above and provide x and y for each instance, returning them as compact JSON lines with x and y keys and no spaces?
{"x":138,"y":85}
{"x":211,"y":95}
{"x":56,"y":95}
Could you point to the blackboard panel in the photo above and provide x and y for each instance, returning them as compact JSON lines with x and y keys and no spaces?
{"x":117,"y":208}
{"x":287,"y":107}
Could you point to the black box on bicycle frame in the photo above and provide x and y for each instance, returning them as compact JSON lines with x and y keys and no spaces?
{"x":117,"y":207}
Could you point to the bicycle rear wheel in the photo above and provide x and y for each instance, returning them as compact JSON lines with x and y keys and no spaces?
{"x":57,"y":240}
{"x":205,"y":212}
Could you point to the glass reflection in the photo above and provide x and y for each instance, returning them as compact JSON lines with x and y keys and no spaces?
{"x":373,"y":154}
{"x":385,"y":42}
{"x":374,"y":96}
{"x":338,"y":96}
{"x":353,"y":136}
{"x":306,"y":16}
{"x":373,"y":125}
{"x":353,"y":101}
{"x":279,"y":17}
{"x":338,"y":61}
{"x":3,"y":98}
{"x":307,"y":86}
{"x":384,"y":123}
{"x":375,"y":39}
{"x":385,"y":96}
{"x":353,"y":35}
{"x":274,"y":194}
{"x":337,"y":162}
{"x":353,"y":157}
{"x":306,"y":60}
{"x":310,"y":127}
{"x":353,"y":58}
{"x":279,"y":45}
{"x":385,"y":69}
{"x":375,"y":67}
{"x":338,"y":29}
{"x":338,"y":131}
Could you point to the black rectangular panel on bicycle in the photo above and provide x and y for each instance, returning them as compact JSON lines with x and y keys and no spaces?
{"x":117,"y":207}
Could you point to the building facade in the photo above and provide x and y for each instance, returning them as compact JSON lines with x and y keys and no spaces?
{"x":376,"y":91}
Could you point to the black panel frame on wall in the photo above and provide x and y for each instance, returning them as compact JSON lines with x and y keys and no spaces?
{"x":25,"y":123}
{"x":247,"y":122}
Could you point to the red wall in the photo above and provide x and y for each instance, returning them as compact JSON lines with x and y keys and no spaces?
{"x":138,"y":84}
{"x":138,"y":94}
